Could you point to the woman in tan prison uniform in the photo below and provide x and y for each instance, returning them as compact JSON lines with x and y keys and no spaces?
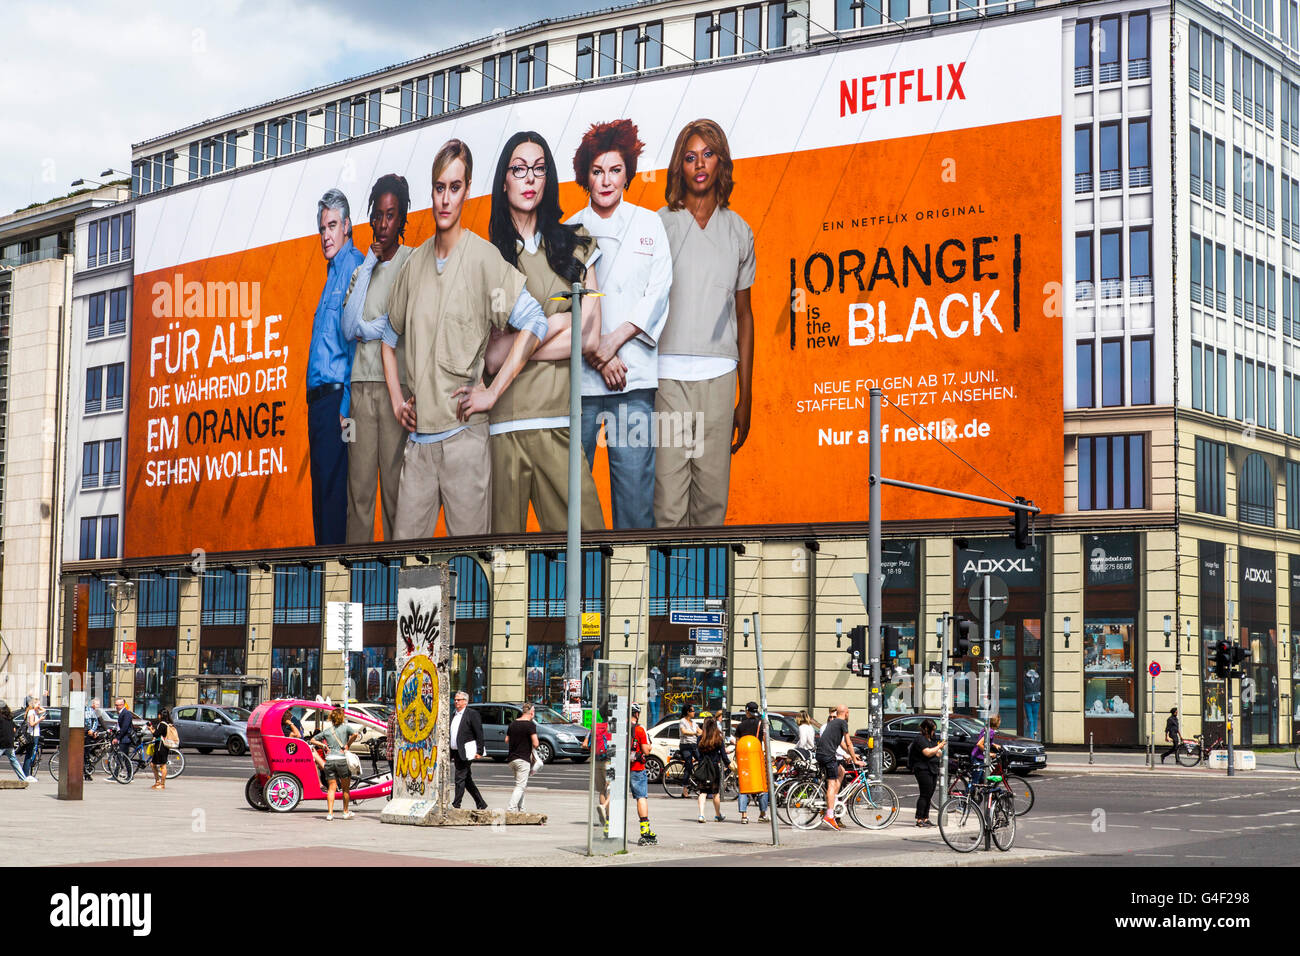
{"x":529,"y":425}
{"x":706,"y":350}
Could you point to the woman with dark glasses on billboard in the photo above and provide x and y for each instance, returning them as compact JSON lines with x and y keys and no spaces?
{"x":706,"y":350}
{"x":529,"y":425}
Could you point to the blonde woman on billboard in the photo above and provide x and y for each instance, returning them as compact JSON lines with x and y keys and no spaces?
{"x":454,"y":289}
{"x":635,"y":271}
{"x":378,"y":439}
{"x":529,"y":426}
{"x":706,"y":351}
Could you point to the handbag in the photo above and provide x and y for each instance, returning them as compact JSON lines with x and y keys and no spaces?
{"x":173,"y":739}
{"x":538,"y":763}
{"x":353,"y":761}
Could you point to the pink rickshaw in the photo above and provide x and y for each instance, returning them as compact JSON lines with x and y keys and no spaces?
{"x":286,"y":771}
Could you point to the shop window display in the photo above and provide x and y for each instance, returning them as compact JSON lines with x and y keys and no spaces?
{"x":295,"y":672}
{"x":1108,"y":667}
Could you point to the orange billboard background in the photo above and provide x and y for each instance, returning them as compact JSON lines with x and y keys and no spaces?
{"x":808,"y":387}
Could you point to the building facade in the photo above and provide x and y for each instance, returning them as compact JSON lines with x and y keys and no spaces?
{"x":1181,"y":520}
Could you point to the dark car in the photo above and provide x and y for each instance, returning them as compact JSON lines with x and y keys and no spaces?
{"x":206,"y":727}
{"x":556,"y":737}
{"x":1024,"y":756}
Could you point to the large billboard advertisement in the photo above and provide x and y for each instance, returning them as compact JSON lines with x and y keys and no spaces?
{"x":884,"y":214}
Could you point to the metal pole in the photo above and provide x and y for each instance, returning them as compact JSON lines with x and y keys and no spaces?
{"x":1230,"y":632}
{"x":986,"y":607}
{"x":767,"y":728}
{"x":944,"y":627}
{"x":1151,"y":722}
{"x":573,"y":551}
{"x":874,"y":580}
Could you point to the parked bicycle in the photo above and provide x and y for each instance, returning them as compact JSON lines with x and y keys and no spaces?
{"x":139,"y":757}
{"x":101,"y":756}
{"x":1018,"y":787}
{"x":986,"y":807}
{"x":870,"y":804}
{"x":1192,"y":750}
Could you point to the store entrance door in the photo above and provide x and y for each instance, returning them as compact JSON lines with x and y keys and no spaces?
{"x":1258,"y":690}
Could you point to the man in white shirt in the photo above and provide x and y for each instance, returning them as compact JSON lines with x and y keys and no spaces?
{"x":635,"y":273}
{"x":466,"y":729}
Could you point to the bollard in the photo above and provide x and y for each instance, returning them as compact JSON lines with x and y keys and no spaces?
{"x":1089,"y":748}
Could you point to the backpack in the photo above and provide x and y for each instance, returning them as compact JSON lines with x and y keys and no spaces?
{"x":706,"y":774}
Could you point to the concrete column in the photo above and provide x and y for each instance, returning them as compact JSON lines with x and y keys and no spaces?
{"x":187,"y":647}
{"x":628,"y":602}
{"x":333,"y":671}
{"x":778,"y":587}
{"x":261,"y":600}
{"x":937,"y":597}
{"x":508,"y":583}
{"x":1063,"y":685}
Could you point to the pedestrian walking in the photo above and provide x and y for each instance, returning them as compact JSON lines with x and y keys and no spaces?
{"x":835,"y":737}
{"x":640,"y":746}
{"x":8,"y":729}
{"x":807,"y":731}
{"x":337,"y":738}
{"x":162,"y":727}
{"x":467,"y":745}
{"x":125,"y":725}
{"x":752,"y":726}
{"x":32,"y":716}
{"x":711,"y":770}
{"x":689,"y":745}
{"x":521,"y":743}
{"x":1172,"y":734}
{"x":923,"y":757}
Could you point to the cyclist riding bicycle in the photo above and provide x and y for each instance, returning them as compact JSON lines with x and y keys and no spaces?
{"x":977,"y":753}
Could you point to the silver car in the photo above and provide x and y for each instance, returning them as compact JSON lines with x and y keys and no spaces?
{"x":205,"y":728}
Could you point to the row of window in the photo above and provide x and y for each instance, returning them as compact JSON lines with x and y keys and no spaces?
{"x":1209,"y":379}
{"x":101,"y":464}
{"x":279,"y":137}
{"x":1290,"y":103}
{"x":354,"y":116}
{"x":1257,"y":14}
{"x":1112,"y":271}
{"x":1252,"y":88}
{"x":1252,"y":188}
{"x":515,"y":72}
{"x":1205,"y":67}
{"x":1108,"y":160}
{"x":104,"y":388}
{"x":153,"y":173}
{"x":98,"y":537}
{"x":1209,"y":268}
{"x":1112,"y":472}
{"x":1289,"y":17}
{"x":214,"y":155}
{"x":108,"y":240}
{"x":1291,"y":404}
{"x":106,"y":310}
{"x":1254,"y":389}
{"x":1208,"y":161}
{"x":621,"y":51}
{"x":1102,"y":38}
{"x":1256,"y":393}
{"x":427,"y":96}
{"x":851,"y":14}
{"x":1290,"y":209}
{"x":1254,"y":291}
{"x":1105,"y":380}
{"x":1256,"y":493}
{"x":1291,"y":306}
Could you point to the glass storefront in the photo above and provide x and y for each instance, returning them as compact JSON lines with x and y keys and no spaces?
{"x":1294,"y":568}
{"x":683,"y":579}
{"x":372,"y":669}
{"x":1111,"y":598}
{"x":155,"y":680}
{"x":1212,"y":610}
{"x":900,"y":601}
{"x":295,"y":672}
{"x":469,"y":653}
{"x":1257,"y":632}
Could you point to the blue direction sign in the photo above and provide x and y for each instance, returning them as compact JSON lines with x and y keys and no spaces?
{"x":705,"y":618}
{"x":708,"y":635}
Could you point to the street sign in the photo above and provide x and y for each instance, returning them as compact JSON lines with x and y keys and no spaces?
{"x":591,"y":625}
{"x":706,"y":618}
{"x":699,"y":663}
{"x":1154,"y":669}
{"x":708,"y":635}
{"x":128,"y":652}
{"x":343,"y":625}
{"x":708,"y":650}
{"x":860,"y":579}
{"x":998,"y":598}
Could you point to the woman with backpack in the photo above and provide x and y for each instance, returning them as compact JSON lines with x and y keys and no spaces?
{"x":712,"y":767}
{"x":162,"y":730}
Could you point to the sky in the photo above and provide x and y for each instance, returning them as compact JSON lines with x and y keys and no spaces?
{"x":92,"y":80}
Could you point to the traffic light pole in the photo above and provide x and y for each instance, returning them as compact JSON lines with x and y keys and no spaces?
{"x":986,"y":665}
{"x":945,"y":629}
{"x":1230,"y":632}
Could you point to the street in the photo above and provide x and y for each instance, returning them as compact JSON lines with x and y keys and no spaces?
{"x":1112,"y":813}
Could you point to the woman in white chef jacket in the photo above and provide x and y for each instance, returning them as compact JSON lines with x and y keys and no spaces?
{"x":706,"y":349}
{"x":635,"y":271}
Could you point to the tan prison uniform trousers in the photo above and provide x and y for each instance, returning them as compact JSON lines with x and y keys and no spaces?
{"x":378,"y":440}
{"x":691,"y":483}
{"x":533,"y":464}
{"x":455,"y":473}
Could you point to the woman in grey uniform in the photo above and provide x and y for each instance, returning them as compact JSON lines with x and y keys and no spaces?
{"x":706,"y":350}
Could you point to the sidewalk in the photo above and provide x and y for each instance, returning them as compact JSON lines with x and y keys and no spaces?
{"x":204,"y":822}
{"x":1076,"y":761}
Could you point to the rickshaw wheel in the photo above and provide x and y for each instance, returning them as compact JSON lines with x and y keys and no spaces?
{"x":254,"y":794}
{"x":282,"y":792}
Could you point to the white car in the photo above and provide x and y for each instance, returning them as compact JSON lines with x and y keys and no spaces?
{"x":665,"y":737}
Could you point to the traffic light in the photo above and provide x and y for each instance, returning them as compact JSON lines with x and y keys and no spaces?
{"x":965,"y":639}
{"x":1239,"y":658}
{"x":1020,"y":522}
{"x":888,"y":644}
{"x":1222,"y":659}
{"x":857,"y":664}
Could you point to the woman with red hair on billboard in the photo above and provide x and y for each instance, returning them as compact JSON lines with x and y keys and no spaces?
{"x":635,"y":271}
{"x":706,"y":350}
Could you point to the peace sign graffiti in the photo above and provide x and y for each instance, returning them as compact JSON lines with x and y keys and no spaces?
{"x":417,"y":704}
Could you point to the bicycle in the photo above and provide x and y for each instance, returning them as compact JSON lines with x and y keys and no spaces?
{"x":140,"y":759}
{"x":985,"y":808}
{"x":674,"y":780}
{"x":100,"y":757}
{"x":1192,"y":750}
{"x":1018,"y":787}
{"x":870,"y":804}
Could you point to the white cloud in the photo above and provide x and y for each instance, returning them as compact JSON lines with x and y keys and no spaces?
{"x":82,"y":84}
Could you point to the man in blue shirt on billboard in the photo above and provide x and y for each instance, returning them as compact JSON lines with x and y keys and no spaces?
{"x":329,"y":370}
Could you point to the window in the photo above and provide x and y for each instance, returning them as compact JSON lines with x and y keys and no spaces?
{"x":607,"y":63}
{"x":504,"y":77}
{"x":1084,"y":370}
{"x":94,"y":389}
{"x":751,"y":30}
{"x":1108,"y":54}
{"x":225,"y":597}
{"x":112,"y":476}
{"x":547,"y":583}
{"x":1255,"y":499}
{"x":1112,"y":284}
{"x":631,"y":50}
{"x":704,"y":36}
{"x":1141,"y":387}
{"x":152,"y":173}
{"x":1083,"y":159}
{"x":1139,"y":52}
{"x":1195,"y":268}
{"x":1220,"y":175}
{"x":1196,"y":377}
{"x":89,"y":534}
{"x":1083,"y":53}
{"x":1112,"y":373}
{"x":117,"y":312}
{"x":844,"y":18}
{"x":109,"y":240}
{"x":523,"y":60}
{"x":97,"y":305}
{"x":297,"y":594}
{"x":1139,"y":261}
{"x":1211,"y":477}
{"x":727,"y":33}
{"x":682,"y":579}
{"x":115,"y":375}
{"x":1083,"y":287}
{"x":108,"y":536}
{"x":473,"y":598}
{"x":586,"y":50}
{"x":775,"y":25}
{"x":1293,"y":495}
{"x":90,"y":465}
{"x":1209,"y":379}
{"x":872,"y":12}
{"x":1108,"y":165}
{"x":1112,"y":472}
{"x":374,"y":585}
{"x":489,"y":72}
{"x":157,"y":602}
{"x":654,"y":45}
{"x":1139,"y":153}
{"x":899,"y":9}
